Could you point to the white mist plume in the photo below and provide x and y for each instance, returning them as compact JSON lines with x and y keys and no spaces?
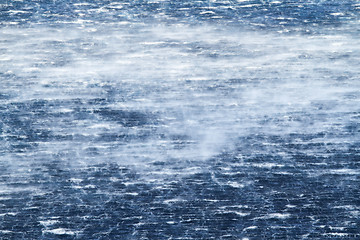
{"x":208,"y":83}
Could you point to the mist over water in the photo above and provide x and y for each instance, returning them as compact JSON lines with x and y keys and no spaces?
{"x":183,"y":120}
{"x":160,"y":92}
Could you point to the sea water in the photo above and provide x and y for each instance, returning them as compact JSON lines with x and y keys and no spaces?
{"x":179,"y":119}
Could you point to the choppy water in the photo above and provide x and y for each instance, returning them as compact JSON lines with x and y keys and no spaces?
{"x":179,"y":120}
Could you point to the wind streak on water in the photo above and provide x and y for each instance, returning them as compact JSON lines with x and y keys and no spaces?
{"x":192,"y":91}
{"x":175,"y":101}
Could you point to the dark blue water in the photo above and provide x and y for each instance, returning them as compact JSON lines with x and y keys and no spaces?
{"x":179,"y":119}
{"x":267,"y":14}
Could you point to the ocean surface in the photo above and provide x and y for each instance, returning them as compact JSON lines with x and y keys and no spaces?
{"x":179,"y":119}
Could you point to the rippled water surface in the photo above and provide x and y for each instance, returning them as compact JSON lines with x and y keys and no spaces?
{"x":179,"y":119}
